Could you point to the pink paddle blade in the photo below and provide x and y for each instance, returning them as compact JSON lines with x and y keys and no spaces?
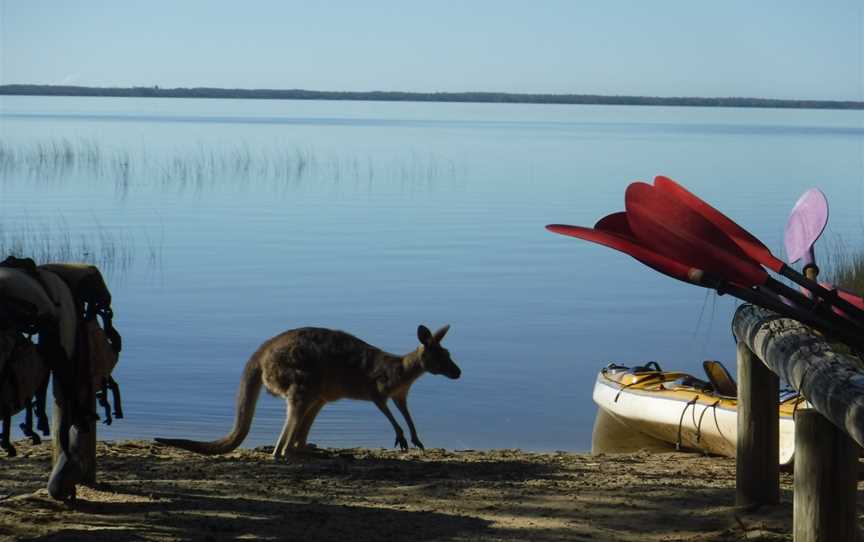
{"x":805,"y":225}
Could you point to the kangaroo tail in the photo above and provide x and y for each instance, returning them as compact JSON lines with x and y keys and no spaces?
{"x":247,"y":397}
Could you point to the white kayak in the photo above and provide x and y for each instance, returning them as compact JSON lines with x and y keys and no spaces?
{"x":645,"y":407}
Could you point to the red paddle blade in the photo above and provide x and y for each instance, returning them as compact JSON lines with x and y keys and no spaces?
{"x":851,"y":298}
{"x":856,"y":300}
{"x":670,"y":227}
{"x":616,"y":223}
{"x":746,"y":241}
{"x":652,"y":259}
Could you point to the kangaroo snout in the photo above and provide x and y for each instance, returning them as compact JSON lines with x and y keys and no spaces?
{"x":451,"y":371}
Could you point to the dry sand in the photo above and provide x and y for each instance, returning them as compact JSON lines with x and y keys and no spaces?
{"x":149,"y":492}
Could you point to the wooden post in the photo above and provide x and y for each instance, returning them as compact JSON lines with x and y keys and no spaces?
{"x":826,"y":480}
{"x":758,"y":448}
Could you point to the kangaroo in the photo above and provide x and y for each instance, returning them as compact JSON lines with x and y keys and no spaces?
{"x":311,"y":367}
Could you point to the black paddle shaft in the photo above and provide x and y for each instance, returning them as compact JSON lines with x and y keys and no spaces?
{"x":818,"y":309}
{"x":811,"y":314}
{"x":770,"y":301}
{"x":830,"y":296}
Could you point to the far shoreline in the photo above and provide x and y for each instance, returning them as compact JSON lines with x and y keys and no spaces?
{"x":440,"y":97}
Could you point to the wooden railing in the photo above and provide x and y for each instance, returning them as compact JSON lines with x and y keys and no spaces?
{"x":828,"y":433}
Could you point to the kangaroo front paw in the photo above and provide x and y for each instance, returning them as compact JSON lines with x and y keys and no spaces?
{"x":401,"y":442}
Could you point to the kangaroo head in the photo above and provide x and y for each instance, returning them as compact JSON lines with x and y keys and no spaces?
{"x":434,"y":357}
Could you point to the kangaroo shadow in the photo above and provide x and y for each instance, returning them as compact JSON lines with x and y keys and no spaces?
{"x":202,"y":517}
{"x":439,"y":465}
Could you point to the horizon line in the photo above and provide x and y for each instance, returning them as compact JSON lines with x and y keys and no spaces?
{"x":156,"y":91}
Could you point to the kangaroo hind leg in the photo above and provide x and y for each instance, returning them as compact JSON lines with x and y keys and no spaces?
{"x":306,"y":424}
{"x":296,"y":409}
{"x":287,"y":429}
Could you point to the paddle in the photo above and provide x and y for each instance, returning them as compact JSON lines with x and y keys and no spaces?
{"x":668,"y":226}
{"x":618,"y":224}
{"x":613,"y":231}
{"x":851,"y":297}
{"x":750,"y":244}
{"x":628,"y":246}
{"x":805,"y":225}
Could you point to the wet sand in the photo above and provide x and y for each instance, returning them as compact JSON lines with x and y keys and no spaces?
{"x":149,"y":492}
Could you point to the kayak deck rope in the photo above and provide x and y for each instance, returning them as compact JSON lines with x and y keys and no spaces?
{"x":691,"y":402}
{"x":635,"y":382}
{"x":717,"y":423}
{"x":704,"y":410}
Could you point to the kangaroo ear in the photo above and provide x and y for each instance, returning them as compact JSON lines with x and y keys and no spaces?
{"x":424,"y":335}
{"x":439,"y":335}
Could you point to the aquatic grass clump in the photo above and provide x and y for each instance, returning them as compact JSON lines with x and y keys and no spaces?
{"x":209,"y":165}
{"x":111,"y":251}
{"x":55,"y":157}
{"x":844,"y":266}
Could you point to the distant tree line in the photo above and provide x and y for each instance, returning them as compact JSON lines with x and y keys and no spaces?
{"x":485,"y":97}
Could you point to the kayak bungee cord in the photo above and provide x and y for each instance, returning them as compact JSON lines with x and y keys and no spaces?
{"x":691,"y":402}
{"x":704,"y":410}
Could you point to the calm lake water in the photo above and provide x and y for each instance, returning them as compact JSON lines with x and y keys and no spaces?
{"x":234,"y":220}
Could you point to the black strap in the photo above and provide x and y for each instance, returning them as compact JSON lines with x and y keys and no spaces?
{"x":102,"y":397}
{"x":42,"y":423}
{"x":115,"y":393}
{"x":5,"y":443}
{"x":111,"y":332}
{"x":8,"y":375}
{"x":27,"y":425}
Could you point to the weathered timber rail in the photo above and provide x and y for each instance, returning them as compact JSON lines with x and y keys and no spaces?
{"x":828,"y":434}
{"x":827,"y":375}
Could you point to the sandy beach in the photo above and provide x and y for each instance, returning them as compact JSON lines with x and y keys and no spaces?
{"x":149,"y":492}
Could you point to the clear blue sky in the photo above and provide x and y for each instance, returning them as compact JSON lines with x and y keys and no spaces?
{"x":757,"y":48}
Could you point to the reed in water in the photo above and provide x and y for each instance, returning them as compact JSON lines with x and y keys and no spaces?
{"x":200,"y":166}
{"x":844,"y":266}
{"x":111,"y":250}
